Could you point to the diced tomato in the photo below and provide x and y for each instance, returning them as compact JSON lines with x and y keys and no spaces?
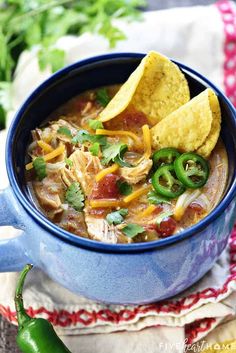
{"x":158,"y":209}
{"x":196,"y":207}
{"x":134,"y":120}
{"x":166,"y":227}
{"x":106,"y":188}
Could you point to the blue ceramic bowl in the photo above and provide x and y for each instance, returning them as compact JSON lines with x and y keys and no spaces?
{"x":123,"y":273}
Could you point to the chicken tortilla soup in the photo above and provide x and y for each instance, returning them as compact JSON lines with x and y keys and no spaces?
{"x":130,"y":163}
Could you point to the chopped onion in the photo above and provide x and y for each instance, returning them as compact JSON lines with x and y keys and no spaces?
{"x":184,"y":201}
{"x":203,"y":201}
{"x":55,"y":166}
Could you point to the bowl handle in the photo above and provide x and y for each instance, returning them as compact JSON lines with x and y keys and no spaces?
{"x":12,"y":254}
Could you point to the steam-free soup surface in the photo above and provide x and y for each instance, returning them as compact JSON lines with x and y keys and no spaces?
{"x":118,"y":205}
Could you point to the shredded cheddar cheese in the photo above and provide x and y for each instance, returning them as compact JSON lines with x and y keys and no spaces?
{"x":106,"y":171}
{"x":59,"y":150}
{"x":45,"y":146}
{"x":117,"y":133}
{"x":147,"y":212}
{"x":105,"y":203}
{"x":147,"y":141}
{"x":178,"y":213}
{"x":136,"y":194}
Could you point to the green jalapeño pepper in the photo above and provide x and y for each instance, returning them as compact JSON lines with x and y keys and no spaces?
{"x":34,"y":335}
{"x":192,"y":170}
{"x":166,"y":183}
{"x":164,"y":156}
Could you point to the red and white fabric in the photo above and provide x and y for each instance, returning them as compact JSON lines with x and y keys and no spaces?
{"x":205,"y":39}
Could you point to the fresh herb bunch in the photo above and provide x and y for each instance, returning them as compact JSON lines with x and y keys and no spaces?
{"x":28,"y":23}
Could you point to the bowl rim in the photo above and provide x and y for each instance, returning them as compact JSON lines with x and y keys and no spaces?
{"x":85,"y":242}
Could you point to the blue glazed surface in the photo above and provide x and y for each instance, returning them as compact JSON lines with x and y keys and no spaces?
{"x":134,"y":273}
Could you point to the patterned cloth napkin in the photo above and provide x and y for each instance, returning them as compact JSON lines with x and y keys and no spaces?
{"x":205,"y":39}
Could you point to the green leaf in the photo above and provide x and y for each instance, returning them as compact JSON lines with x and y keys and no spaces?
{"x":117,"y":217}
{"x":53,"y":57}
{"x":95,"y":148}
{"x":157,"y":199}
{"x":115,"y":153}
{"x":102,"y":97}
{"x":95,"y":124}
{"x":162,"y":216}
{"x":131,"y":230}
{"x":2,"y":117}
{"x":75,"y":196}
{"x":124,"y":187}
{"x":33,"y":34}
{"x":83,"y":136}
{"x":69,"y":162}
{"x":40,"y":167}
{"x":63,"y":130}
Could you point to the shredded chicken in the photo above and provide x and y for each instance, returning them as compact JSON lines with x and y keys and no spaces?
{"x":48,"y":191}
{"x":85,"y":167}
{"x":62,"y":123}
{"x":73,"y":221}
{"x":138,"y":173}
{"x":99,"y":229}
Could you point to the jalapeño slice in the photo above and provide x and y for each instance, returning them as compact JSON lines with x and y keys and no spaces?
{"x":164,"y":156}
{"x":165,"y":182}
{"x":192,"y":170}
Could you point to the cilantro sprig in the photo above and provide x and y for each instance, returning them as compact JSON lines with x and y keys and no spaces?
{"x":124,"y":187}
{"x":117,"y":217}
{"x":102,"y":97}
{"x":40,"y":168}
{"x":95,"y":124}
{"x":83,"y":136}
{"x":157,"y":199}
{"x":75,"y":197}
{"x":115,"y":153}
{"x":131,"y":230}
{"x":63,"y":130}
{"x":95,"y":149}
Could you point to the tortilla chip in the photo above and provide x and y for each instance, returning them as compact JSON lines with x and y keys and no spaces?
{"x":156,"y":88}
{"x":190,"y":127}
{"x":211,"y":140}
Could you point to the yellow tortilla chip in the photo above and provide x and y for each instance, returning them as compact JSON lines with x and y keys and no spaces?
{"x":211,"y":140}
{"x":190,"y":127}
{"x":156,"y":88}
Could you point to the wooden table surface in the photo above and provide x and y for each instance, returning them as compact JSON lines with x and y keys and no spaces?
{"x":7,"y":331}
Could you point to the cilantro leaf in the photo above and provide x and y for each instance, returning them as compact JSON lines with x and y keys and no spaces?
{"x":102,"y":97}
{"x":40,"y":167}
{"x":156,"y":199}
{"x":68,"y":162}
{"x":75,"y":197}
{"x":63,"y":130}
{"x":131,"y":230}
{"x":162,"y":216}
{"x":83,"y":136}
{"x":80,"y":137}
{"x":95,"y":124}
{"x":94,"y":149}
{"x":124,"y":187}
{"x":115,"y":153}
{"x":117,"y":217}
